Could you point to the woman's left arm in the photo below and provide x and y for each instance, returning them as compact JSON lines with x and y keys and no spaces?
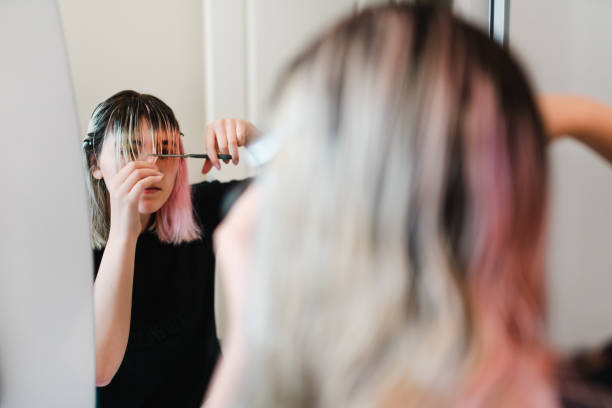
{"x":584,"y":119}
{"x":225,"y":136}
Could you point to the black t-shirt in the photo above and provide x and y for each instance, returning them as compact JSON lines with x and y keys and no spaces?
{"x":585,"y":379}
{"x":172,"y":347}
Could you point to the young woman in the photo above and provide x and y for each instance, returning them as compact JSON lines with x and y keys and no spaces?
{"x":156,"y":340}
{"x":403,"y":263}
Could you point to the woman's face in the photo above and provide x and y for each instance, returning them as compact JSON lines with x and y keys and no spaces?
{"x":154,"y":197}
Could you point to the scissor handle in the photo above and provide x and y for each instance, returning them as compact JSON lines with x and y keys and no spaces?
{"x":205,"y":156}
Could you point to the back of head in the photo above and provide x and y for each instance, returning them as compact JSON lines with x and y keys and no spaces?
{"x":400,"y":251}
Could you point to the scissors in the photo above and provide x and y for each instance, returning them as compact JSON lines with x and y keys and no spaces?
{"x":261,"y":152}
{"x":193,"y":156}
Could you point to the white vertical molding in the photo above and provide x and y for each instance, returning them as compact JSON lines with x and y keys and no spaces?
{"x":225,"y":61}
{"x":204,"y":58}
{"x":499,"y":20}
{"x":225,"y":69}
{"x":225,"y":88}
{"x":251,"y":60}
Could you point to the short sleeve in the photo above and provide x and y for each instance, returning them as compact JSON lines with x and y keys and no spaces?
{"x":213,"y":199}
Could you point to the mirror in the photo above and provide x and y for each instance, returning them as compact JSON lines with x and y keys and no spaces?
{"x":206,"y":60}
{"x":213,"y":59}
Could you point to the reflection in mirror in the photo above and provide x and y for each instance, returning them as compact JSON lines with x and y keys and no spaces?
{"x":143,"y":73}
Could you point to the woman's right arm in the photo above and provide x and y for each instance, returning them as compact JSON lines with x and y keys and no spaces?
{"x":586,"y":120}
{"x":113,"y":285}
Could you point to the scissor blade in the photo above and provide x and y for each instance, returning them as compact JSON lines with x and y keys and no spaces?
{"x":193,"y":155}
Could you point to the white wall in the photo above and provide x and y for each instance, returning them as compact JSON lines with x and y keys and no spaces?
{"x":151,"y":46}
{"x":566,"y":47}
{"x":46,"y":328}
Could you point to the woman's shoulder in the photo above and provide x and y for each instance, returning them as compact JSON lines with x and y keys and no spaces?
{"x":214,"y":187}
{"x":208,"y":185}
{"x":212,"y":199}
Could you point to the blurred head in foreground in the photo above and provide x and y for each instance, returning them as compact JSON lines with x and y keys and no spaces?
{"x":400,"y":255}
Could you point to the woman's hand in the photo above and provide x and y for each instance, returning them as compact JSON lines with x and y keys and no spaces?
{"x":225,"y":136}
{"x":584,"y":119}
{"x":561,"y":114}
{"x":125,"y":189}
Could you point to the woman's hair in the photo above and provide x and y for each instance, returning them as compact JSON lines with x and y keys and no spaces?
{"x":124,"y":117}
{"x":401,"y":241}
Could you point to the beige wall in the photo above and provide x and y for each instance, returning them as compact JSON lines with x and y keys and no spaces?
{"x":566,"y":45}
{"x":475,"y":11}
{"x":152,"y":46}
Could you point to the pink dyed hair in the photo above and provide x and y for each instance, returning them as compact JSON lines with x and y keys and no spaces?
{"x":174,"y":221}
{"x":439,"y":210}
{"x":508,"y":183}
